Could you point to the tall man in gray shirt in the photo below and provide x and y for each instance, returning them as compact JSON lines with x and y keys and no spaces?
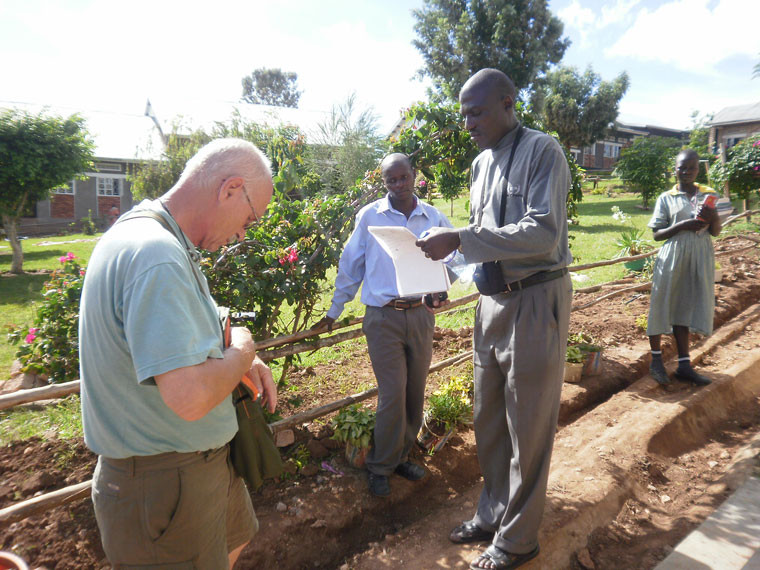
{"x":521,"y":334}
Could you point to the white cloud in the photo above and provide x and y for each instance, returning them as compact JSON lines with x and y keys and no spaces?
{"x":577,"y":16}
{"x":617,"y":12}
{"x":691,"y":35}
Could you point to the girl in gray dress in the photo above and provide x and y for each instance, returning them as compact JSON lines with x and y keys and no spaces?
{"x":683,"y":295}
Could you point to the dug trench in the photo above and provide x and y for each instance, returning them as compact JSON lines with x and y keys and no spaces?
{"x":635,"y":466}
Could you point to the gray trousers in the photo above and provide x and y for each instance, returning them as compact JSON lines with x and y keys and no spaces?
{"x":400,"y":345}
{"x":520,"y":341}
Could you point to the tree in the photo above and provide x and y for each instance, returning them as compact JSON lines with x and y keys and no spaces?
{"x":741,"y":170}
{"x":579,"y":107}
{"x":345,"y":147}
{"x":459,"y":37}
{"x":699,"y":140}
{"x":37,"y":154}
{"x":441,"y":149}
{"x":647,"y":164}
{"x":267,"y":86}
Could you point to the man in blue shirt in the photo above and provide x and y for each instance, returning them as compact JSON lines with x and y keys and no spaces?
{"x":399,"y":331}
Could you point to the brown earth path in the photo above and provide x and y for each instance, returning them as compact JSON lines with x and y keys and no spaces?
{"x":323,"y":520}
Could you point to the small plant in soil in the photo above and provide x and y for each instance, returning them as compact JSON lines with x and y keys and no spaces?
{"x":641,"y":321}
{"x":354,"y":425}
{"x":451,"y":404}
{"x":580,"y":345}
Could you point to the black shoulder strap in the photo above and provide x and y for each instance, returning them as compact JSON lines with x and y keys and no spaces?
{"x":503,"y":209}
{"x":168,"y":227}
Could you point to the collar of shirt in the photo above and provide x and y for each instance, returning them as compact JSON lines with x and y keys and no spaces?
{"x":384,"y":205}
{"x":507,"y":139}
{"x":701,"y":188}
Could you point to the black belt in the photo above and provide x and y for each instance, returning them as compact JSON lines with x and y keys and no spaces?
{"x":535,"y":279}
{"x":404,"y":304}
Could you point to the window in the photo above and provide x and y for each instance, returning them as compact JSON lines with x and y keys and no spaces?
{"x":108,"y":166}
{"x":109,"y":186}
{"x":611,"y":150}
{"x":734,"y":139}
{"x":67,"y":188}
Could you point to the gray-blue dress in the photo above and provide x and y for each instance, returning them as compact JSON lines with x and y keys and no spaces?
{"x":684,"y":272}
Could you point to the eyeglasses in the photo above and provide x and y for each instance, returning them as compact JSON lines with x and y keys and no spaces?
{"x":256,"y":219}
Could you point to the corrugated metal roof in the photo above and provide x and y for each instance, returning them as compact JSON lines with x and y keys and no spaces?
{"x":134,"y":135}
{"x":737,"y":114}
{"x":122,"y":136}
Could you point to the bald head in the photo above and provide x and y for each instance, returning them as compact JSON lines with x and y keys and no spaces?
{"x":688,"y":154}
{"x":222,"y":158}
{"x":395,"y":158}
{"x":492,"y":80}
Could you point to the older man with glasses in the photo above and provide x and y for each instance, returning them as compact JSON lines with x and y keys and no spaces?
{"x":157,"y":377}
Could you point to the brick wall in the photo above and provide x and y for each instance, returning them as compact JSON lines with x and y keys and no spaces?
{"x":62,"y":206}
{"x":105,"y":203}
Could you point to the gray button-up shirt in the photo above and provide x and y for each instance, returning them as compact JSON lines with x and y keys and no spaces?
{"x":534,"y":235}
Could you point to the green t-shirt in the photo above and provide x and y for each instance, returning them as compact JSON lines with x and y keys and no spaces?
{"x":144,"y":313}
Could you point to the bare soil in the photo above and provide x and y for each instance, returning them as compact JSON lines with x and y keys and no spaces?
{"x":322,"y":519}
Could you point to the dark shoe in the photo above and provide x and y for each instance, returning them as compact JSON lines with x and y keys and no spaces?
{"x":468,"y":531}
{"x":691,"y":375}
{"x":378,"y":485}
{"x":494,"y":558}
{"x":409,"y":470}
{"x":658,"y":372}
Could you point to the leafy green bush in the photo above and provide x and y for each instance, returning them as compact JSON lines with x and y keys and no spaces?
{"x":88,"y":225}
{"x":355,"y":425}
{"x":741,"y":169}
{"x":51,"y":346}
{"x":646,"y":165}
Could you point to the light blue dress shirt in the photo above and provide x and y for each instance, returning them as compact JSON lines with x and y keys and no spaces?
{"x":365,"y":260}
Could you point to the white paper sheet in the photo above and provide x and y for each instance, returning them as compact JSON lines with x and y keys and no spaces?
{"x":415,"y":273}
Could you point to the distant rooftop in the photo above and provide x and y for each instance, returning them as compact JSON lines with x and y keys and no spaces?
{"x":133,"y":135}
{"x":737,"y":114}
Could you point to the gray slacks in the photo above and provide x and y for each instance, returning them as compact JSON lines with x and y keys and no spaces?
{"x":519,"y":342}
{"x":400,"y":345}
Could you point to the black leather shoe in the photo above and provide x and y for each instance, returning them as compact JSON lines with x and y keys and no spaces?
{"x":378,"y":485}
{"x":658,"y":372}
{"x":691,"y":375}
{"x":468,"y":531}
{"x":409,"y":470}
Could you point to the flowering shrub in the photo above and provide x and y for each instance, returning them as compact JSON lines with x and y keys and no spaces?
{"x":51,"y":346}
{"x":741,"y":169}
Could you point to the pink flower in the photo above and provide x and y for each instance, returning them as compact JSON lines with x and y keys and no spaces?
{"x":423,"y":183}
{"x":68,"y":257}
{"x":81,"y":272}
{"x":31,"y":336}
{"x":283,"y":260}
{"x":293,"y":255}
{"x":757,"y":143}
{"x":62,"y":259}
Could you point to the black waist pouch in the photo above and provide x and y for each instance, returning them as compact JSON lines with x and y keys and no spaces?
{"x":488,"y":278}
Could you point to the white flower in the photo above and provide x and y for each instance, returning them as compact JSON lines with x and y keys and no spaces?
{"x":619,"y":215}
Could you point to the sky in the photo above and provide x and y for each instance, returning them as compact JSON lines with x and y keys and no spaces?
{"x":681,"y":55}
